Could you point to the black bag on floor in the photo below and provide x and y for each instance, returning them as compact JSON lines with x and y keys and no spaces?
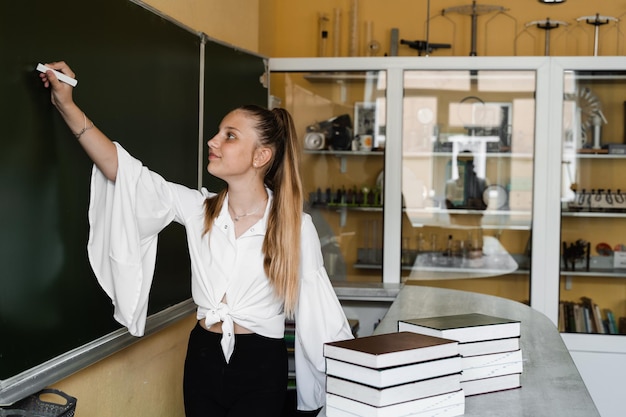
{"x":35,"y":406}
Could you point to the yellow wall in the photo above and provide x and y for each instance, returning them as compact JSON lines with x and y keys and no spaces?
{"x":144,"y":379}
{"x":294,"y":29}
{"x":235,"y":22}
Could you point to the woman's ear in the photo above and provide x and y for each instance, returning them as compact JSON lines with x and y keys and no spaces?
{"x":261,"y":157}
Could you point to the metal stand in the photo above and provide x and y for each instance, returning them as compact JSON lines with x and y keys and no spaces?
{"x":597,"y":21}
{"x":473,"y":10}
{"x":547,"y":25}
{"x":424,"y":46}
{"x":427,"y":29}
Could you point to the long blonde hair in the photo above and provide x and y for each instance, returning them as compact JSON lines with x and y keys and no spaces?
{"x":281,"y":246}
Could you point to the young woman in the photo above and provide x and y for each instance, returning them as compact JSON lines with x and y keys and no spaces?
{"x":255,"y":258}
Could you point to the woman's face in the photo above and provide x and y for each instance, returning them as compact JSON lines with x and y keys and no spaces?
{"x":231,"y":150}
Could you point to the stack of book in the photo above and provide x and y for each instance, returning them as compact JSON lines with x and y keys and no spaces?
{"x":394,"y":374}
{"x":489,"y":347}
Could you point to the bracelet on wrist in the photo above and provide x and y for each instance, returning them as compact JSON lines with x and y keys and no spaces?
{"x":85,"y":128}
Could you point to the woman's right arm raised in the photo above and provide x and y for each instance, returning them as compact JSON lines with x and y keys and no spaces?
{"x":97,"y":145}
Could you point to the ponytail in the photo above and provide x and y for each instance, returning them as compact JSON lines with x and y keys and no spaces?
{"x":282,"y":240}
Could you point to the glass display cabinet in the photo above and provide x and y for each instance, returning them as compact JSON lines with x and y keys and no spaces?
{"x":467,"y":178}
{"x":435,"y":158}
{"x":588,"y":300}
{"x":593,"y":226}
{"x":592,"y":265}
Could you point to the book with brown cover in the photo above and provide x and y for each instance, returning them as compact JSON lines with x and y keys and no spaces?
{"x":391,"y":349}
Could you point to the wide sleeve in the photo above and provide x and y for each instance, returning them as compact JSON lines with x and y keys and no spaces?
{"x":125,"y":217}
{"x":319,"y":319}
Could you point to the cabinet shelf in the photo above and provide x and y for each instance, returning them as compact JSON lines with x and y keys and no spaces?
{"x":344,"y":153}
{"x":343,"y":210}
{"x":421,"y":274}
{"x":596,"y":272}
{"x":353,"y":76}
{"x":436,"y":154}
{"x":339,"y":208}
{"x":514,"y":263}
{"x":489,"y":219}
{"x":600,"y":156}
{"x":592,"y":214}
{"x":449,"y":269}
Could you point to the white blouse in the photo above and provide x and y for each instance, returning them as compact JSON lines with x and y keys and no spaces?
{"x":125,"y":218}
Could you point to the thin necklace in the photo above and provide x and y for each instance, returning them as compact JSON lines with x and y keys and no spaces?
{"x":249,"y":213}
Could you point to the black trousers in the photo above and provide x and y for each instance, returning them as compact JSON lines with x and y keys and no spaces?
{"x":253,"y":383}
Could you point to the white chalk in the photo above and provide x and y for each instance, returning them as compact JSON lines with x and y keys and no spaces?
{"x":62,"y":77}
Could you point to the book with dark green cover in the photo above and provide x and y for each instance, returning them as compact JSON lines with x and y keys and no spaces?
{"x":470,"y":327}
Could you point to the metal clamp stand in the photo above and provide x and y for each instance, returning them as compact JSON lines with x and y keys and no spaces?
{"x":424,"y":46}
{"x":597,"y":21}
{"x":473,"y":10}
{"x":547,"y":25}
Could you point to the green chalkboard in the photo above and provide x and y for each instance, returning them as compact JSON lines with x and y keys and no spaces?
{"x":240,"y":82}
{"x":139,"y":79}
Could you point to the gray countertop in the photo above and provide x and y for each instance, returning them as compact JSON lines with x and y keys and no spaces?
{"x":368,"y":291}
{"x":551,"y":384}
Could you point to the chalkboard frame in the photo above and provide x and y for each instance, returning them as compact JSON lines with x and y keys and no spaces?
{"x":46,"y":373}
